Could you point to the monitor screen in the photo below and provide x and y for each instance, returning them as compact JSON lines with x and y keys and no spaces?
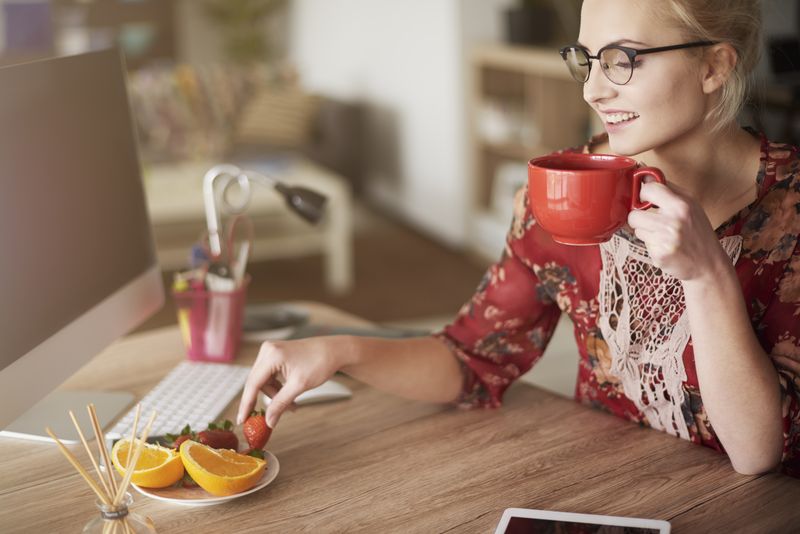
{"x":79,"y":266}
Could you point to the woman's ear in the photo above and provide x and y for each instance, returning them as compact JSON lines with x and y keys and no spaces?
{"x":719,"y":62}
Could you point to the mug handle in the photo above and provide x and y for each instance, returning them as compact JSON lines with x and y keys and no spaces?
{"x":638,"y":176}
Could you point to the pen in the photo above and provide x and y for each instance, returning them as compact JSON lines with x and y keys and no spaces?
{"x":241,"y":263}
{"x":179,"y":286}
{"x":198,"y":257}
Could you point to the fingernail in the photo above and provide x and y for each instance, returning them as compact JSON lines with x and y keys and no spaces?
{"x":272,"y":421}
{"x":239,"y":419}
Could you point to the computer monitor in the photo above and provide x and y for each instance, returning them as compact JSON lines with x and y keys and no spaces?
{"x":78,"y":267}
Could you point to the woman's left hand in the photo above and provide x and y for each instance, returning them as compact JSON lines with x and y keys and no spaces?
{"x":677,"y":234}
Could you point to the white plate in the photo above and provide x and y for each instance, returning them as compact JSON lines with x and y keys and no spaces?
{"x":197,"y":496}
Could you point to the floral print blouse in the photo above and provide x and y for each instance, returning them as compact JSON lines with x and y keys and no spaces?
{"x":502,"y":331}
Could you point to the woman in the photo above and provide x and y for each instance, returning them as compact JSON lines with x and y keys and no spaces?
{"x":688,"y":319}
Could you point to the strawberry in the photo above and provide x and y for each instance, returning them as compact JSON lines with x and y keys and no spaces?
{"x":183,"y":435}
{"x":256,"y":431}
{"x":219,"y":437}
{"x":177,"y":443}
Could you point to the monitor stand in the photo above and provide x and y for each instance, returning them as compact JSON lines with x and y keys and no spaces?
{"x":53,"y":411}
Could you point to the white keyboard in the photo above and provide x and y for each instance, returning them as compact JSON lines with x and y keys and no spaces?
{"x":193,"y":393}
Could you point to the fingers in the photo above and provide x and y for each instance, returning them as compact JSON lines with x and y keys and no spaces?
{"x":262,"y":373}
{"x":669,"y":202}
{"x":659,"y":194}
{"x":650,"y":221}
{"x":248,"y":402}
{"x":282,"y":371}
{"x":666,"y":237}
{"x":283,"y":400}
{"x":271,"y":388}
{"x":664,"y":223}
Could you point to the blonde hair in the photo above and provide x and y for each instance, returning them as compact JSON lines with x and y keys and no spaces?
{"x":736,"y":22}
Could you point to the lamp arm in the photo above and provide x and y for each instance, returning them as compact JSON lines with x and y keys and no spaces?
{"x":227,"y":172}
{"x":263,"y":179}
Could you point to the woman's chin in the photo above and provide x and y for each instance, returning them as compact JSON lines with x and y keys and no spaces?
{"x":626,"y":145}
{"x":622,"y":148}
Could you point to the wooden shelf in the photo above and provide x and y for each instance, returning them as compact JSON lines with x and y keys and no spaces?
{"x":524,"y":94}
{"x":524,"y":60}
{"x":119,"y":19}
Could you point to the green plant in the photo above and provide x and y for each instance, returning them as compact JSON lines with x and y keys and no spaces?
{"x":242,"y":23}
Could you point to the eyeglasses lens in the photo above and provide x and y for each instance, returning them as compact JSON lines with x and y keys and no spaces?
{"x":578,"y":64}
{"x":616,"y":65}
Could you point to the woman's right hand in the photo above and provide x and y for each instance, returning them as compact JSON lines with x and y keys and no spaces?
{"x":285,"y":369}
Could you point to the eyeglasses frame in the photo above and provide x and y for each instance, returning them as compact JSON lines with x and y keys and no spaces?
{"x":632,"y":53}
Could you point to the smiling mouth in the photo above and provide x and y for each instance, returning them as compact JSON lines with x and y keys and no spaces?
{"x":618,"y":118}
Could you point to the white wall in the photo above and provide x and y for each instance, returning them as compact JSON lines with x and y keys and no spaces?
{"x":405,"y":60}
{"x":401,"y":58}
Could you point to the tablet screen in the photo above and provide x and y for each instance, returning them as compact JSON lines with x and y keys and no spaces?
{"x":530,"y":525}
{"x":529,"y":521}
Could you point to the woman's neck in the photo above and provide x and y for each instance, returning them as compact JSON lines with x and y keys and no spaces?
{"x":716,"y":170}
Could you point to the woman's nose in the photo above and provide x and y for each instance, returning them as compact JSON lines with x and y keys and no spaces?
{"x":598,"y":87}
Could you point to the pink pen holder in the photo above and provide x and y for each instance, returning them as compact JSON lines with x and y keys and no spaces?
{"x":211,"y":322}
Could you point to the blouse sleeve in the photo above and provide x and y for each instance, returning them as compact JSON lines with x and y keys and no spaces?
{"x":504,"y":328}
{"x":779,"y":331}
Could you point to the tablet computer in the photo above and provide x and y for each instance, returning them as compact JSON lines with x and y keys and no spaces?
{"x":526,"y":521}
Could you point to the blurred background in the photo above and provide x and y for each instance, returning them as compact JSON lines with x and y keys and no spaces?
{"x":415,"y":116}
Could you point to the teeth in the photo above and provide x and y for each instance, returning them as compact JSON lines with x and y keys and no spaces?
{"x":614,"y":118}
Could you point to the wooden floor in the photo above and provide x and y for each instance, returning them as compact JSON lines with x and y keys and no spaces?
{"x":400,"y":275}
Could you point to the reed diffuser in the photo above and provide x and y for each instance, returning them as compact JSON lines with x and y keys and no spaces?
{"x":113,"y":498}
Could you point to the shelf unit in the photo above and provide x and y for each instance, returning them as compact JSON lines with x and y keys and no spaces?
{"x":523,"y":104}
{"x":144,"y":29}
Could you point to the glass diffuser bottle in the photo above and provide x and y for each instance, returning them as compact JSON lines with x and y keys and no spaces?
{"x":118,"y":520}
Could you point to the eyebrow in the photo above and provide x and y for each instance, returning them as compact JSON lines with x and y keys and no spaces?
{"x":617,"y":42}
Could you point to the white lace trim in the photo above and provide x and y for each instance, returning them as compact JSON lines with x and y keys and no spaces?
{"x":643,"y":321}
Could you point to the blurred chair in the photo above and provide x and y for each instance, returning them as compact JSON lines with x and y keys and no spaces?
{"x":190,"y":118}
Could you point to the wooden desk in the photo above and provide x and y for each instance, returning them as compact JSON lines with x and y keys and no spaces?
{"x":378,"y":463}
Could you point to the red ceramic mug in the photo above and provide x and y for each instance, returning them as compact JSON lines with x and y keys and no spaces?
{"x":582,"y":199}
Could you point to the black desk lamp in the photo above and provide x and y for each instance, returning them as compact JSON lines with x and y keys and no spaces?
{"x":308,"y":204}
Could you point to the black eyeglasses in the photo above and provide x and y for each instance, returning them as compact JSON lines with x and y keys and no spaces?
{"x":616,"y":61}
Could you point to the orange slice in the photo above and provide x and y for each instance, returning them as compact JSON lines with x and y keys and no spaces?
{"x":157,"y":467}
{"x":221,"y":472}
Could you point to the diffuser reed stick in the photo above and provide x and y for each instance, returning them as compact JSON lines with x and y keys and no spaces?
{"x":77,"y":465}
{"x":89,"y":452}
{"x":101,"y":446}
{"x":108,"y":491}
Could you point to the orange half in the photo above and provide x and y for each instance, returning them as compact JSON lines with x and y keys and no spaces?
{"x":157,"y":467}
{"x":221,"y":472}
